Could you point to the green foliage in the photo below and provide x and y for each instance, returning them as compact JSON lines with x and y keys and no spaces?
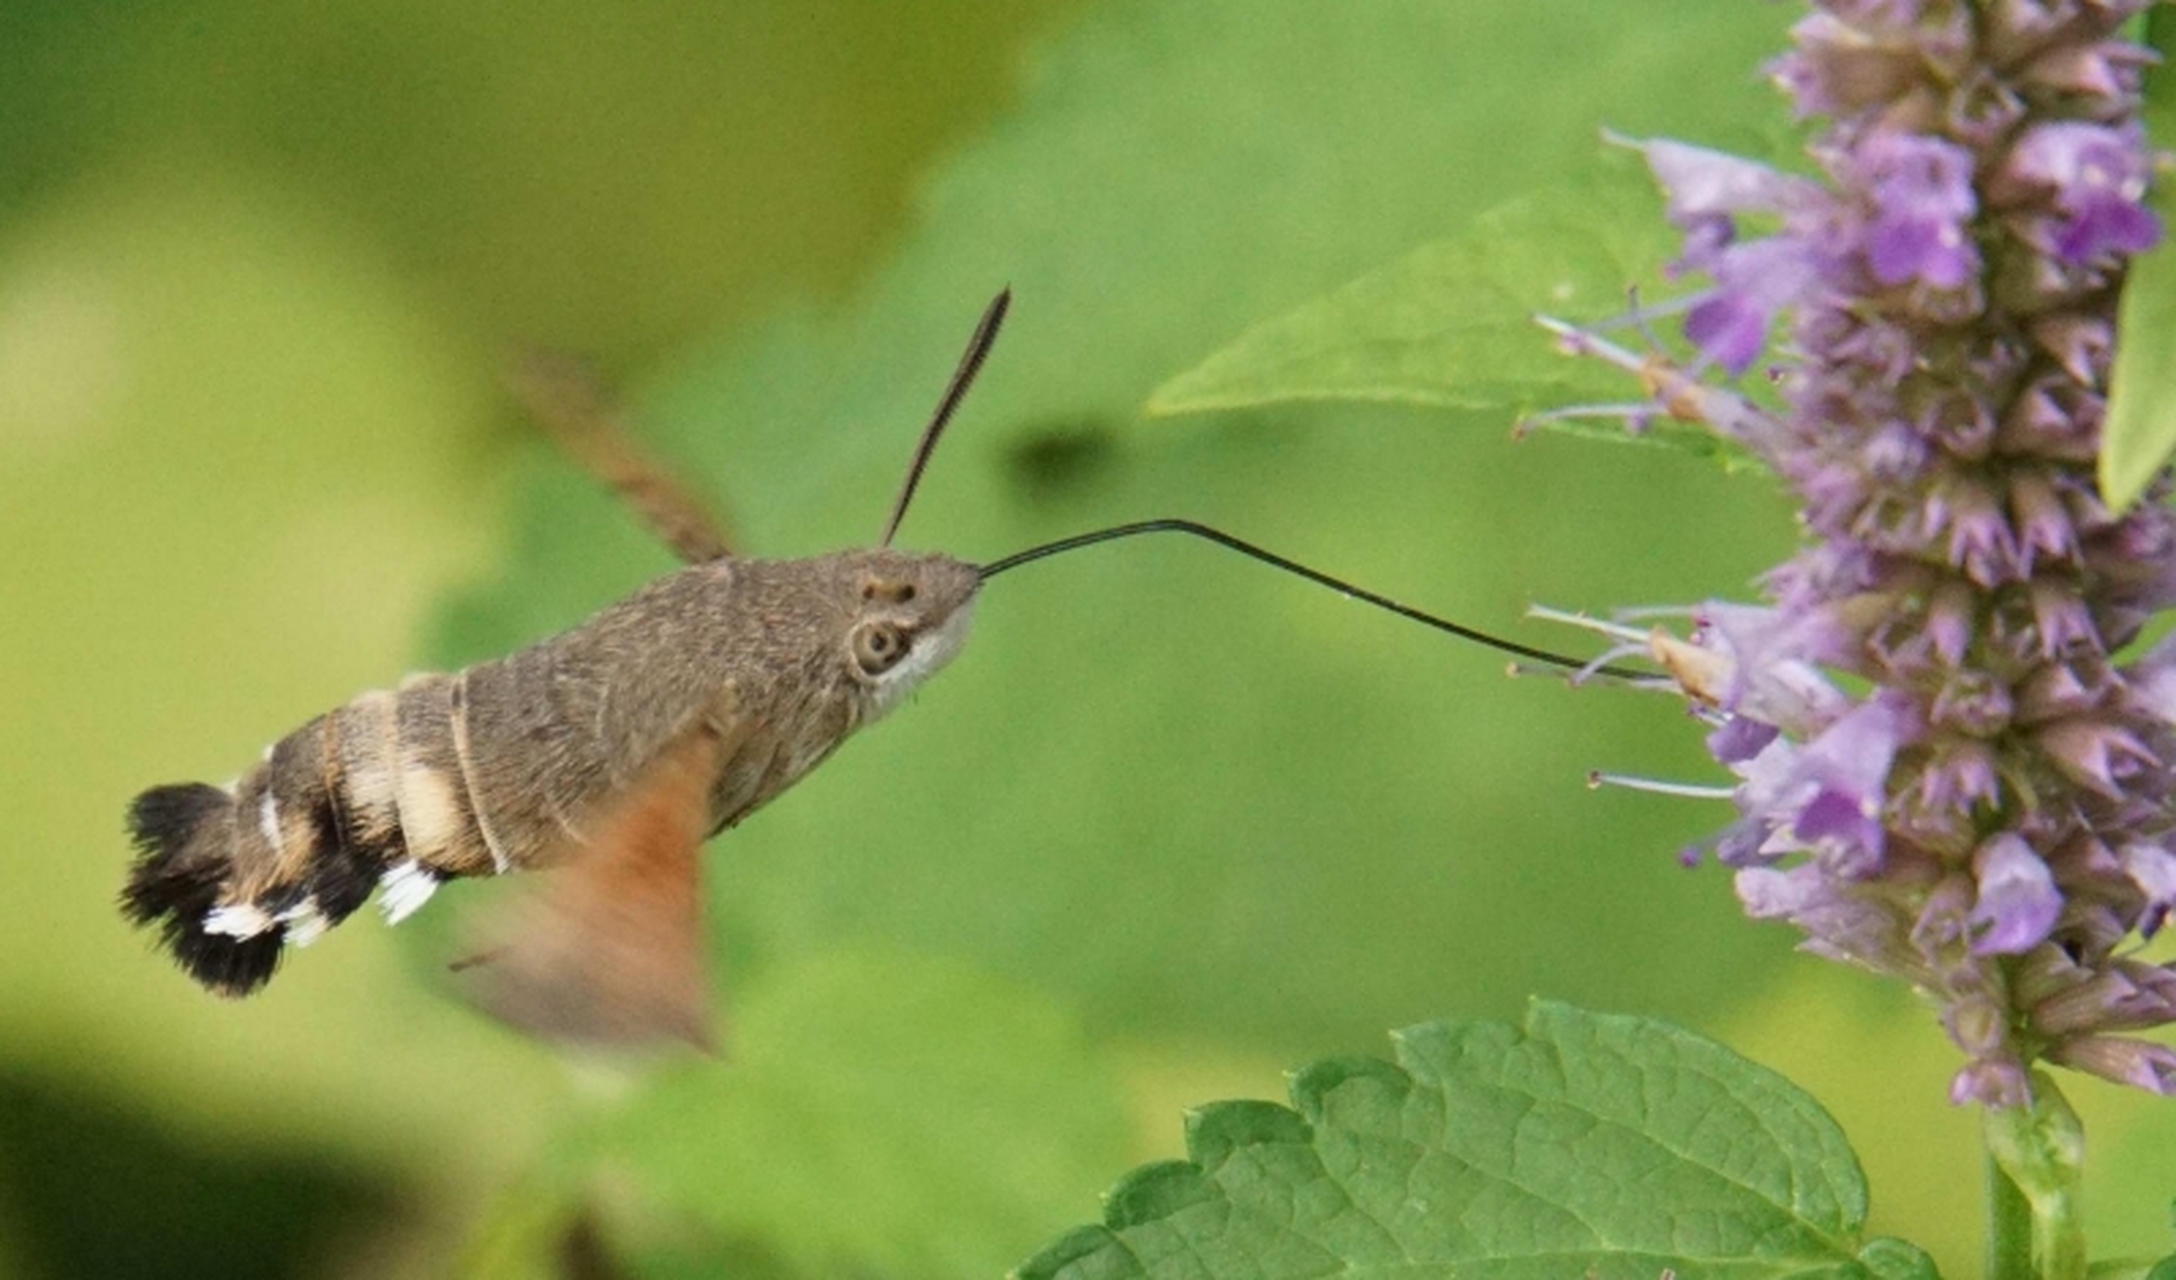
{"x":881,"y":1115}
{"x":1578,"y":1144}
{"x":2140,"y":431}
{"x":1451,"y":325}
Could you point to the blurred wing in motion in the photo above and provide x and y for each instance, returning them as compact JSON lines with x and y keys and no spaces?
{"x":571,"y":404}
{"x":608,"y":950}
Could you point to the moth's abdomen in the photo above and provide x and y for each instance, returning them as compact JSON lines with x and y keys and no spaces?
{"x":373,"y":794}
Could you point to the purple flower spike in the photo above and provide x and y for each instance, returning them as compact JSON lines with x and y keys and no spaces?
{"x":1989,"y":812}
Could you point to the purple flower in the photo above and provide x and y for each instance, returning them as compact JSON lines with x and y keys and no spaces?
{"x":2096,"y":175}
{"x":1844,"y":776}
{"x":1941,"y":770}
{"x":2018,"y":899}
{"x":1754,"y":281}
{"x":1921,"y":191}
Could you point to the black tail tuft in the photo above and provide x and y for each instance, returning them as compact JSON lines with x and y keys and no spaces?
{"x":174,"y":885}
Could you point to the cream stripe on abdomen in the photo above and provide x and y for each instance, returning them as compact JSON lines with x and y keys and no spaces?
{"x":499,"y":861}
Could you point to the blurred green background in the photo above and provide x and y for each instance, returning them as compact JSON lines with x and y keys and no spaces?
{"x":1171,"y":824}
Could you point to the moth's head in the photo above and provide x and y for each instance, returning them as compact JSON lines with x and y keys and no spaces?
{"x":908,"y":616}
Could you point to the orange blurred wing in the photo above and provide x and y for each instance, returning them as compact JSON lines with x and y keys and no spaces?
{"x":609,"y":951}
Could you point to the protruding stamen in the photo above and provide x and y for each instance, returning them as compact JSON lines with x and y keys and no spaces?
{"x":1692,"y":791}
{"x":1636,"y":417}
{"x":1635,"y":636}
{"x":1676,"y":391}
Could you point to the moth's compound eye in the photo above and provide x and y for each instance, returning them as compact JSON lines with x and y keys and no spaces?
{"x":878,"y":647}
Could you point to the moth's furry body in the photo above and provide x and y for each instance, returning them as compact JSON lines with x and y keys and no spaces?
{"x":759,"y":668}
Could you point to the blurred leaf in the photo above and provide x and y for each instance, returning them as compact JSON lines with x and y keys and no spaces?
{"x":1609,"y":1146}
{"x":1892,"y":1259}
{"x":1157,"y":769}
{"x":1451,"y":325}
{"x":94,"y":1185}
{"x":522,"y":1235}
{"x":881,"y":1114}
{"x":2139,"y":431}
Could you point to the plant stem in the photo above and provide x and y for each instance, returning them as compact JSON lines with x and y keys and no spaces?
{"x":2036,"y":1162}
{"x":2009,"y":1227}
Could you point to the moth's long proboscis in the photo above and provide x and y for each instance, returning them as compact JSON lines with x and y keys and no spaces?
{"x":963,"y":377}
{"x":1266,"y":556}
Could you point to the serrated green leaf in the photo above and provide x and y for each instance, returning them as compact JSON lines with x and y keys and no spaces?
{"x":2139,"y":431}
{"x":1451,"y":324}
{"x":1579,"y":1144}
{"x":880,"y":1114}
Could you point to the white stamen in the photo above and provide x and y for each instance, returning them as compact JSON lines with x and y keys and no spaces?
{"x":1691,"y":791}
{"x":404,"y":888}
{"x":1605,"y":658}
{"x":1587,"y":622}
{"x":1574,"y":340}
{"x":305,"y":922}
{"x":1637,"y":418}
{"x":240,"y":920}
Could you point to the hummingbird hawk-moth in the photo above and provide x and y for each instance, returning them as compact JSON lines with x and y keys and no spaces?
{"x":606,"y":754}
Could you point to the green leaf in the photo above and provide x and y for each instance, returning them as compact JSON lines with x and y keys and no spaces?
{"x":1451,"y":325}
{"x":2139,"y":432}
{"x":1580,"y":1144}
{"x":879,"y":1113}
{"x":1892,"y":1259}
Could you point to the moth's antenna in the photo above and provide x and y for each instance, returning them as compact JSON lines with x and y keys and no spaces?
{"x":978,"y":347}
{"x":1223,"y":539}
